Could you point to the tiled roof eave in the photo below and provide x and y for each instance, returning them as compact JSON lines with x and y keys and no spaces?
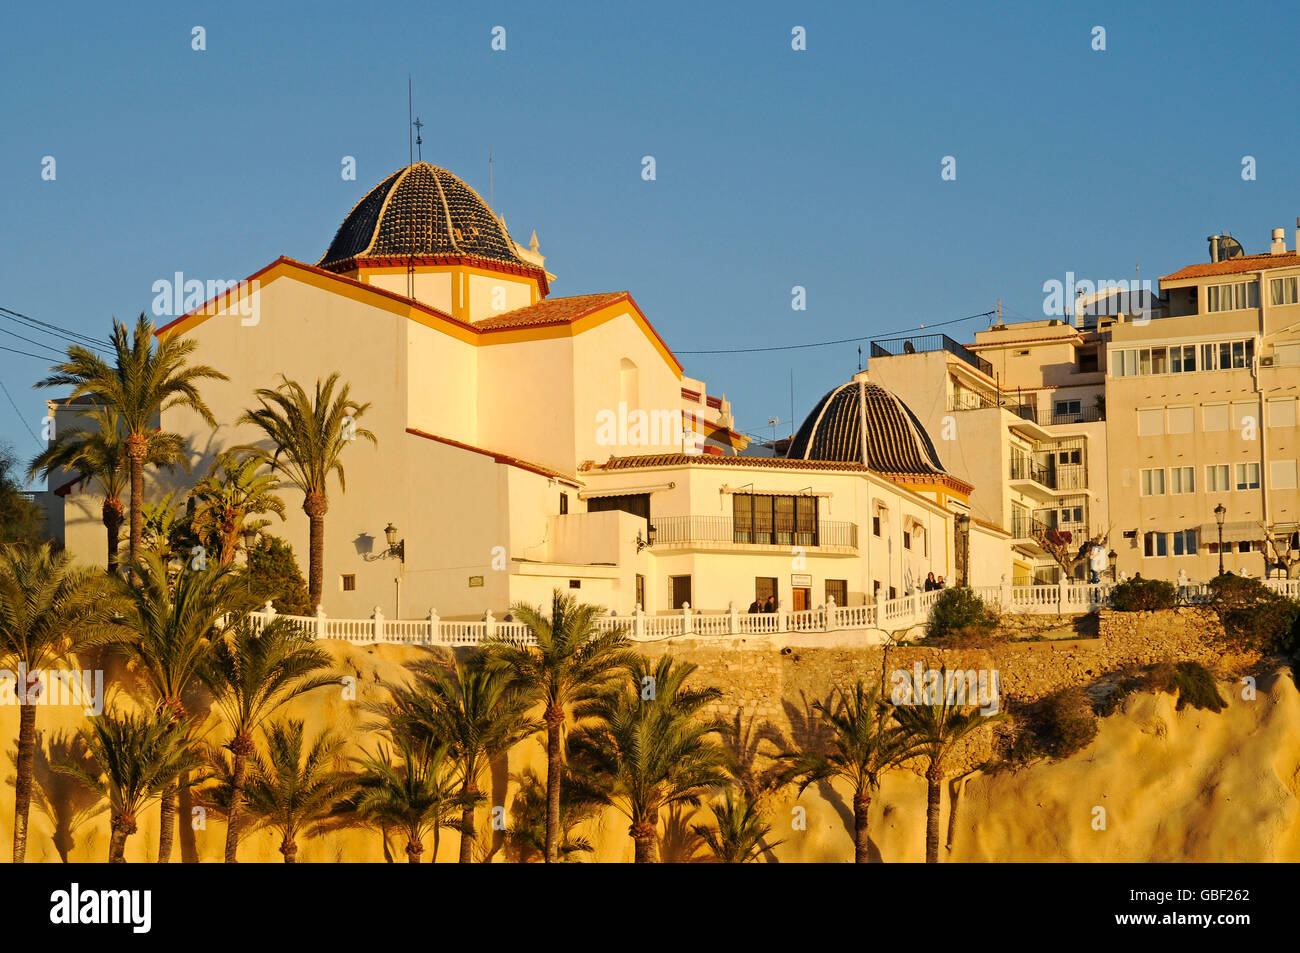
{"x":418,"y":261}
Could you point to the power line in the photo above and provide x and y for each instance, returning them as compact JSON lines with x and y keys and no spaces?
{"x":54,"y":330}
{"x":865,"y":337}
{"x":39,"y":357}
{"x":40,"y":344}
{"x":23,"y":419}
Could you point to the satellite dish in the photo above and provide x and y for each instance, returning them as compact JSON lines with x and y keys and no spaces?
{"x":1229,"y":247}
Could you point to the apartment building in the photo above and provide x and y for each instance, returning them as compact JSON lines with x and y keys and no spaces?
{"x":1030,"y":470}
{"x":1209,"y":418}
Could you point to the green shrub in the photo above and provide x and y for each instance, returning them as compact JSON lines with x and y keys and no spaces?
{"x":1143,"y":595}
{"x":274,"y":574}
{"x":1069,"y":722}
{"x":1253,"y":616}
{"x":1192,"y":682}
{"x":962,"y":614}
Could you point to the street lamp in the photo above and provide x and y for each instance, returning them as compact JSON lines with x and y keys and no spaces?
{"x":250,"y":537}
{"x":1220,"y":512}
{"x":1114,"y":566}
{"x":396,"y":547}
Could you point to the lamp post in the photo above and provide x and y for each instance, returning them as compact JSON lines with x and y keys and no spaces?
{"x":1114,"y":566}
{"x":396,"y":550}
{"x":1220,"y":513}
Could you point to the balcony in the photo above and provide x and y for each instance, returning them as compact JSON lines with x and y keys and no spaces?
{"x":892,"y":347}
{"x":1027,"y":530}
{"x":1086,"y":415}
{"x":972,"y":401}
{"x":1024,"y":470}
{"x":714,"y":532}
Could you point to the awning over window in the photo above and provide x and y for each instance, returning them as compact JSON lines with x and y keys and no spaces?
{"x":1240,"y":532}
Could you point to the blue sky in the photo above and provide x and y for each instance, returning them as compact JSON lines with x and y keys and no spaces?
{"x":775,"y":168}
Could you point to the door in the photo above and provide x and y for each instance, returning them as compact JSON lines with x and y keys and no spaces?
{"x":764,"y":586}
{"x":681,"y":587}
{"x":802,"y":597}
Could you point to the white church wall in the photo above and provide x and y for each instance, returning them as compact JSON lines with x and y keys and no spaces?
{"x":442,"y":385}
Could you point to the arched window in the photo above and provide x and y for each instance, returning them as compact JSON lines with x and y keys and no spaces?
{"x":628,"y":384}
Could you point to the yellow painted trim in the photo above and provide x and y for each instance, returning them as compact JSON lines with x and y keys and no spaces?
{"x":456,"y":329}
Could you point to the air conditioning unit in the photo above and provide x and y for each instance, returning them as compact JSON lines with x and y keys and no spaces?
{"x":1266,"y":361}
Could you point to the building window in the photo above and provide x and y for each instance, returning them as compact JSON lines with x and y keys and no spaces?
{"x":1282,"y":474}
{"x":893,"y":593}
{"x":1244,"y":413}
{"x":680,"y":586}
{"x":1088,"y":361}
{"x":1247,"y":476}
{"x":1215,"y":416}
{"x":1069,"y":457}
{"x":1281,"y":413}
{"x":1068,"y":408}
{"x":837,"y":589}
{"x":640,"y":590}
{"x":1182,"y":479}
{"x":575,"y":583}
{"x":564,"y":504}
{"x":1282,"y":291}
{"x":1157,"y":544}
{"x":875,"y":525}
{"x":907,"y":539}
{"x":348,"y":582}
{"x":1286,"y":354}
{"x":764,"y":586}
{"x":1181,"y":419}
{"x":774,"y":520}
{"x":1153,"y":482}
{"x":1216,"y":478}
{"x":1151,"y":422}
{"x":1182,"y":360}
{"x":1232,"y":297}
{"x":1185,"y":542}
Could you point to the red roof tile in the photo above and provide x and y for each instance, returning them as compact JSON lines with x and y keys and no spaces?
{"x":552,"y":311}
{"x":1235,"y":266}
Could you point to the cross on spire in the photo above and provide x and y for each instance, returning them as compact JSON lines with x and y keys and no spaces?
{"x":418,"y":141}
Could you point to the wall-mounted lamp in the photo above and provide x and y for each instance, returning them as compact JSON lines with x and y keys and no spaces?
{"x":396,"y":547}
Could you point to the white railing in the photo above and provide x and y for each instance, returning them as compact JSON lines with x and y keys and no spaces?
{"x":890,"y":615}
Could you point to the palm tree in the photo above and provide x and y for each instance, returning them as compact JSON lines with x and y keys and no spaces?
{"x":864,"y":743}
{"x":143,"y":381}
{"x":251,"y":673}
{"x":931,"y":723}
{"x":475,"y":709}
{"x":229,"y":498}
{"x":98,"y":456}
{"x":48,"y":608}
{"x":174,"y":617}
{"x":418,"y":795}
{"x":296,"y":786}
{"x":531,"y":810}
{"x":136,"y":758}
{"x":572,"y":663}
{"x":738,"y":832}
{"x":648,"y":750}
{"x":308,"y":434}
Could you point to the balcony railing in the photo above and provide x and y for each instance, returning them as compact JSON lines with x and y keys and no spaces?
{"x":1025,"y":469}
{"x":891,"y":347}
{"x":1024,"y":526}
{"x":970,"y":401}
{"x":679,"y":530}
{"x":1087,"y":415}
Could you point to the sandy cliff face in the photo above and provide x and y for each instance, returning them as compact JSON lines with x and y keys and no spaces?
{"x":1187,"y":785}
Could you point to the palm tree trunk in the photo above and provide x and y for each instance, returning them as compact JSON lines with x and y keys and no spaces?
{"x":123,"y":826}
{"x":315,"y":505}
{"x":23,"y":783}
{"x":437,"y":835}
{"x":554,"y":779}
{"x":647,"y":844}
{"x":414,"y":850}
{"x":137,"y":448}
{"x":240,"y":748}
{"x":861,"y":826}
{"x":290,"y":850}
{"x":467,"y":823}
{"x":167,"y":824}
{"x":185,"y":817}
{"x":934,"y":780}
{"x":112,"y":516}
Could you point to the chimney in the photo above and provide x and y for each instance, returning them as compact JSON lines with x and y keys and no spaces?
{"x":1279,"y":242}
{"x":1214,"y":245}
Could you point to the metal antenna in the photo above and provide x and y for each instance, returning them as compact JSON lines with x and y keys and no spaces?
{"x":491,"y":204}
{"x":410,"y":147}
